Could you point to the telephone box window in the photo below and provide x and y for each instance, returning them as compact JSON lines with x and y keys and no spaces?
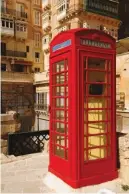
{"x":60,"y":109}
{"x":97,"y":119}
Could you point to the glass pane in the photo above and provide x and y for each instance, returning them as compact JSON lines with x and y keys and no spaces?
{"x":60,"y":66}
{"x":95,"y":128}
{"x":97,"y":115}
{"x":98,"y":140}
{"x":97,"y":153}
{"x":96,"y":63}
{"x":59,"y":115}
{"x":60,"y":102}
{"x":58,"y":139}
{"x":60,"y":152}
{"x":96,"y":76}
{"x":102,"y":102}
{"x":60,"y":127}
{"x":60,"y":79}
{"x":59,"y":91}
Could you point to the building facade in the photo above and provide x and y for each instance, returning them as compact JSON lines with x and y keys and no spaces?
{"x":122,"y":82}
{"x":61,"y":15}
{"x":21,"y":51}
{"x":124,"y":15}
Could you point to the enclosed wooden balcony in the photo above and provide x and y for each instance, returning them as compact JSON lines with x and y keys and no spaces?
{"x":107,"y":8}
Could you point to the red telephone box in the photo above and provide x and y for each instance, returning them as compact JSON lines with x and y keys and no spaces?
{"x":83,"y":107}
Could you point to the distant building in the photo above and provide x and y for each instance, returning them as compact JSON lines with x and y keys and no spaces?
{"x":60,"y":16}
{"x":123,"y":16}
{"x":21,"y":51}
{"x":122,"y":85}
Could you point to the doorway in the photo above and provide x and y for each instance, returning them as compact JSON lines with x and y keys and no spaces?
{"x":96,"y":114}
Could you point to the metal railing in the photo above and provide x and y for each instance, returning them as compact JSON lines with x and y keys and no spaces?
{"x":41,"y":107}
{"x":27,"y":142}
{"x":14,"y":53}
{"x":13,"y":12}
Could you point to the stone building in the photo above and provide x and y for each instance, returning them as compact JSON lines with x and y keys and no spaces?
{"x":21,"y":51}
{"x":122,"y":85}
{"x":63,"y":15}
{"x":124,"y":15}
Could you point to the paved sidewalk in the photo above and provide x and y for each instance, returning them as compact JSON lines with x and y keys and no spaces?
{"x":24,"y":174}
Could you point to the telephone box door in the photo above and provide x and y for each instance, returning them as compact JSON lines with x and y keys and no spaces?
{"x":96,"y":114}
{"x":59,"y":113}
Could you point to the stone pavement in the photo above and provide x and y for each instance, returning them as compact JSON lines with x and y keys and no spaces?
{"x":24,"y":174}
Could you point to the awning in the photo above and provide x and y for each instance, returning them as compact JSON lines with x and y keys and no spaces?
{"x":18,"y":62}
{"x":122,"y":46}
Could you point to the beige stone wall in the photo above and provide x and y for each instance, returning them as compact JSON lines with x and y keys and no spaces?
{"x":25,"y":39}
{"x":122,"y":68}
{"x":124,"y":158}
{"x":4,"y":146}
{"x":76,"y":21}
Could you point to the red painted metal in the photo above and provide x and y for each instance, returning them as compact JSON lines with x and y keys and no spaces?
{"x":71,"y":156}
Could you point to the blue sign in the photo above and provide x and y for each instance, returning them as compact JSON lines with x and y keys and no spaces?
{"x":61,"y":45}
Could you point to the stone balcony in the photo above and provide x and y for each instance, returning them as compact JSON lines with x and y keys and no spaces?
{"x":42,"y":77}
{"x":21,"y":35}
{"x":7,"y":31}
{"x":7,"y":76}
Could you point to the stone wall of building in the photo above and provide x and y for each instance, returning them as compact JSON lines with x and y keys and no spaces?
{"x":124,"y":158}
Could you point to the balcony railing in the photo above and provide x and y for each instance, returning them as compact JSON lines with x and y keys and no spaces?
{"x":7,"y":31}
{"x":41,"y":107}
{"x":13,"y":12}
{"x":8,"y":76}
{"x":11,"y":53}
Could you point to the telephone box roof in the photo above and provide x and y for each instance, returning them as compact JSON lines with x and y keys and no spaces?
{"x":79,"y":31}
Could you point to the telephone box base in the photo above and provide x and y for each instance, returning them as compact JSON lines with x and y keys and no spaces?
{"x":98,"y":179}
